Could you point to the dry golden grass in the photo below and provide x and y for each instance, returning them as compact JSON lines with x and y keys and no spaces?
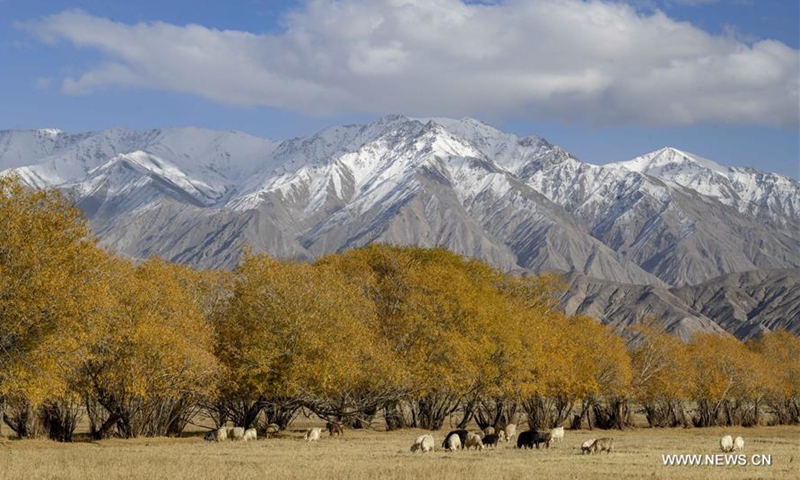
{"x":382,"y":455}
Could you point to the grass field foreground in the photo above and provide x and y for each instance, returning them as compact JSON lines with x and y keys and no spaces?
{"x":385,"y":455}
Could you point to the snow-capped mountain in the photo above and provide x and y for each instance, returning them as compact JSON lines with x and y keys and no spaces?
{"x":766,"y":196}
{"x":49,"y":157}
{"x":198,"y":196}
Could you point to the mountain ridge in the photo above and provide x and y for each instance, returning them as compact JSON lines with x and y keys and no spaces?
{"x":743,"y":304}
{"x":518,"y":202}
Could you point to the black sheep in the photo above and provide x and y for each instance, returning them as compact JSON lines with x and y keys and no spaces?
{"x":533,"y":437}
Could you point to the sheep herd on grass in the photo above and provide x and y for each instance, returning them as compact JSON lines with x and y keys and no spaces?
{"x":231,"y":433}
{"x":460,"y":439}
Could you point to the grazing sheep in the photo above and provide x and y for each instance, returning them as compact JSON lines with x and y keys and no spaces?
{"x":558,"y":434}
{"x":726,"y":443}
{"x":525,"y":439}
{"x":452,"y":443}
{"x":236,"y":433}
{"x":218,"y":435}
{"x":313,"y":434}
{"x":511,"y":431}
{"x":543,"y":436}
{"x":272,"y":429}
{"x":490,"y":440}
{"x":473,"y":441}
{"x":423,"y":443}
{"x":534,"y":437}
{"x":602,"y":445}
{"x":250,"y":434}
{"x":738,"y":444}
{"x":586,"y":447}
{"x":488,"y":431}
{"x":462,"y":437}
{"x":501,"y":435}
{"x":335,"y":428}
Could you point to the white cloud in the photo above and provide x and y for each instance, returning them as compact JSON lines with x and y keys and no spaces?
{"x":568,"y":60}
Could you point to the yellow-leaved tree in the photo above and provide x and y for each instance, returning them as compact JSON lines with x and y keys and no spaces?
{"x":778,"y":354}
{"x":541,"y":377}
{"x":661,"y":367}
{"x":150,"y":358}
{"x":50,"y":286}
{"x":604,"y":368}
{"x":721,"y":371}
{"x":294,"y":335}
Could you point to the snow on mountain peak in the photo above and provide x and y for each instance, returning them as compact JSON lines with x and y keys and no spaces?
{"x":748,"y":189}
{"x":669,"y":159}
{"x":339,"y":161}
{"x":49,"y":132}
{"x":124,"y":173}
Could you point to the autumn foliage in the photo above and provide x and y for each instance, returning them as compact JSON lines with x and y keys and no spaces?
{"x":413,"y":336}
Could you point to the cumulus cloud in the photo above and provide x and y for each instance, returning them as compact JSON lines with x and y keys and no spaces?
{"x":568,"y":60}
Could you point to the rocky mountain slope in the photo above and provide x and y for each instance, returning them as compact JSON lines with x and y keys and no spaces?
{"x":197,"y":196}
{"x":743,"y":304}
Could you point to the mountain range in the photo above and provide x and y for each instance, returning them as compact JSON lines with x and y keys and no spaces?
{"x":662,"y":228}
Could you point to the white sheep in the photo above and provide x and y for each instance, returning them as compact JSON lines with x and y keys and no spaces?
{"x":423,"y":443}
{"x":726,"y":443}
{"x":453,"y":443}
{"x":236,"y":433}
{"x":474,"y":441}
{"x":218,"y":435}
{"x":313,"y":434}
{"x":511,"y":431}
{"x":738,"y":444}
{"x":250,"y":434}
{"x":557,"y":434}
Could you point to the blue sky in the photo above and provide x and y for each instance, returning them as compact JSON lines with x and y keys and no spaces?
{"x":605,"y":80}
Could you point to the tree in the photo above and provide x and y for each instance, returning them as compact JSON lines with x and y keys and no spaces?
{"x":778,"y":353}
{"x":539,"y":376}
{"x":721,"y":371}
{"x":661,"y":366}
{"x":150,"y":359}
{"x":603,"y":364}
{"x":49,"y":288}
{"x":297,"y":335}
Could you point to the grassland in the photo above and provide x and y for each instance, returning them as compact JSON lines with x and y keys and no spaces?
{"x":385,"y":455}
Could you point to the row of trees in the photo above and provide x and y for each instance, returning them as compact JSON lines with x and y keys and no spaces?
{"x":412,"y":335}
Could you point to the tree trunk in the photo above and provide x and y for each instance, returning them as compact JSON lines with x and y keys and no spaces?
{"x":395,"y":417}
{"x":469,"y":412}
{"x":59,"y":419}
{"x":20,"y":418}
{"x":434,"y":409}
{"x":281,"y":412}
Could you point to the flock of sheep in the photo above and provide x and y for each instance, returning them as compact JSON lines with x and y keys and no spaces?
{"x":237,"y":433}
{"x":231,"y":433}
{"x":489,"y":437}
{"x":461,"y":439}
